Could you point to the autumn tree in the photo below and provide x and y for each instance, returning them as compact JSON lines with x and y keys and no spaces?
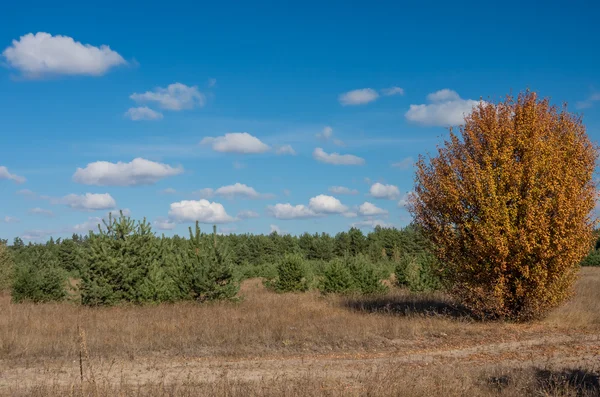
{"x":507,"y":203}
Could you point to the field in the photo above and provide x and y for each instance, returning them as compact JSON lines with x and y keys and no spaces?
{"x":301,"y":344}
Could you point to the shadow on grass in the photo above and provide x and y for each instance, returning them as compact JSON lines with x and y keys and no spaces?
{"x":568,"y":382}
{"x":407,"y":306}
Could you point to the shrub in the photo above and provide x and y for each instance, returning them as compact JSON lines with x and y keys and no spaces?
{"x":366,"y":277}
{"x":337,"y":278}
{"x":507,"y":206}
{"x":418,"y":272}
{"x":38,"y":278}
{"x":352,"y":274}
{"x":211,"y":267}
{"x":6,"y":268}
{"x":291,"y":275}
{"x":592,"y":259}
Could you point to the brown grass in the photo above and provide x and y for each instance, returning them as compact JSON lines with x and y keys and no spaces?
{"x":267,"y":326}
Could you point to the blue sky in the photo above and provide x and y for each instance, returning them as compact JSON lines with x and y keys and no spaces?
{"x":234,"y":113}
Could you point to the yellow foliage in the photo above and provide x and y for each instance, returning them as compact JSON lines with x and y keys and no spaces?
{"x":508,"y":204}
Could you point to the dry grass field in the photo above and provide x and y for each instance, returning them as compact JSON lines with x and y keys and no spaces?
{"x":299,"y":345}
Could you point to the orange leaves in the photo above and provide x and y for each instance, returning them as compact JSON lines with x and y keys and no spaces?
{"x":508,"y":203}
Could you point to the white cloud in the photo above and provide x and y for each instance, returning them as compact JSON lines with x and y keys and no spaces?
{"x":444,"y":95}
{"x":404,"y":164}
{"x":11,"y":219}
{"x":336,"y":158}
{"x":43,"y":54}
{"x":117,"y":213}
{"x":285,"y":149}
{"x":326,"y":133}
{"x":137,"y":172}
{"x":288,"y":211}
{"x":275,"y":229}
{"x":90,"y":225}
{"x":372,"y":223}
{"x":175,"y":97}
{"x":342,"y":190}
{"x":168,"y":190}
{"x":203,"y":211}
{"x":403,"y":202}
{"x":323,"y":204}
{"x":588,"y":103}
{"x":286,"y":192}
{"x":240,"y":189}
{"x":41,"y":211}
{"x":36,"y":234}
{"x":446,"y":109}
{"x":143,"y":113}
{"x":369,"y":209}
{"x":232,"y":191}
{"x":88,"y":201}
{"x":381,"y":191}
{"x":238,"y":165}
{"x":246,"y":214}
{"x":358,"y":97}
{"x":26,"y":192}
{"x":350,"y":214}
{"x":4,"y":174}
{"x":392,"y":91}
{"x":236,"y":142}
{"x":164,"y":224}
{"x":204,"y":193}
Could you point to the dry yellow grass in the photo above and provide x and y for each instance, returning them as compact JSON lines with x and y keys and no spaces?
{"x":296,"y":344}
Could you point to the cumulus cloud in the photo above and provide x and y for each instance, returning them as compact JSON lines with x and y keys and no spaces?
{"x":342,"y":190}
{"x":203,"y":211}
{"x":88,"y":201}
{"x":326,"y":133}
{"x":404,"y":164}
{"x":285,"y":149}
{"x":317,"y":206}
{"x":236,"y":142}
{"x":174,"y":97}
{"x":137,"y":172}
{"x":164,"y":224}
{"x":323,"y":204}
{"x":41,"y":211}
{"x":92,"y":224}
{"x":369,"y":209}
{"x":381,"y":191}
{"x":41,"y":54}
{"x":117,"y":213}
{"x":403,"y":202}
{"x":446,"y":108}
{"x":26,"y":192}
{"x":372,"y":223}
{"x":143,"y":113}
{"x":337,"y":159}
{"x":358,"y":97}
{"x":5,"y":174}
{"x":247,"y":214}
{"x":232,"y":191}
{"x":288,"y":211}
{"x":392,"y":91}
{"x":589,"y":102}
{"x":275,"y":229}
